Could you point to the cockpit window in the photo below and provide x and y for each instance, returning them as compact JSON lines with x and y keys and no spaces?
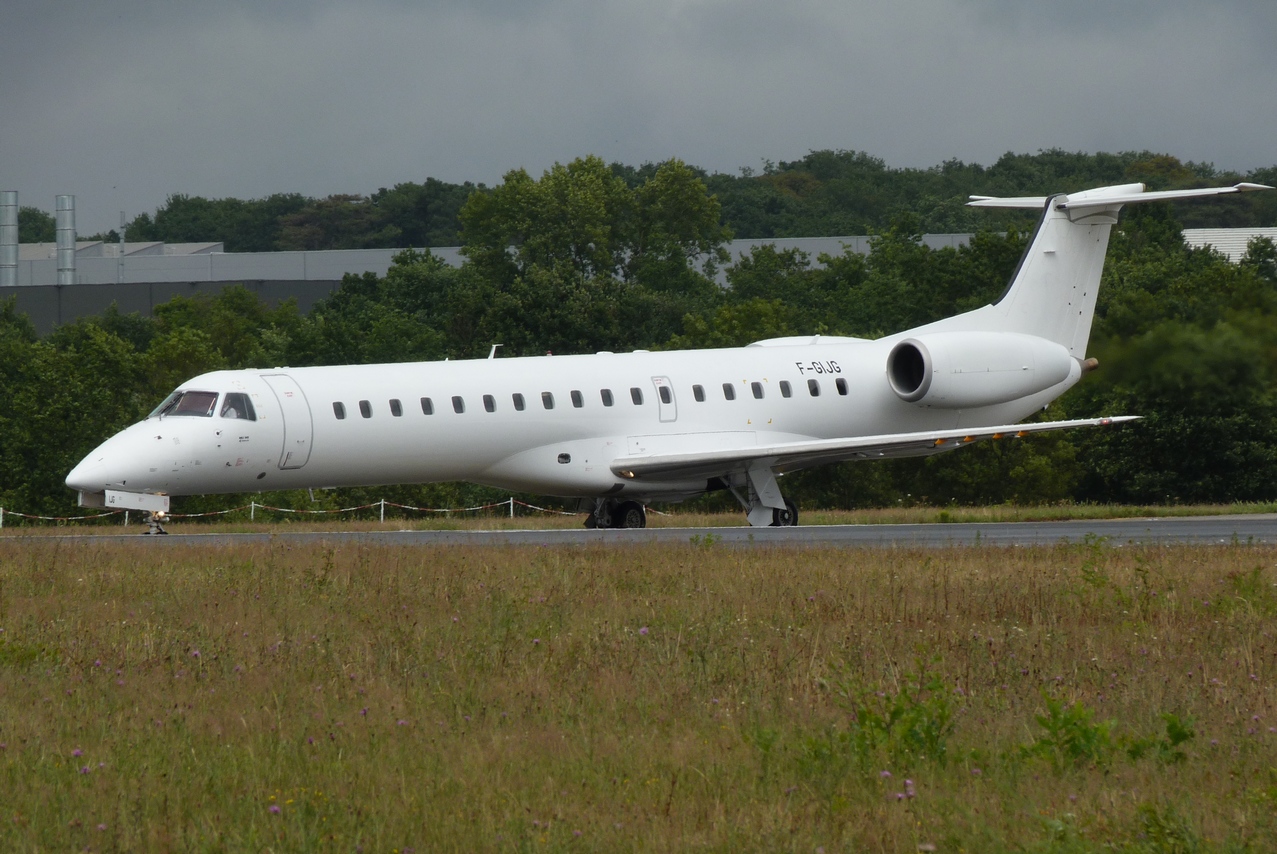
{"x":237,"y":405}
{"x":199,"y":403}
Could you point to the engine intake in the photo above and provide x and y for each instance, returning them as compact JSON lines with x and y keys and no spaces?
{"x":960,"y":370}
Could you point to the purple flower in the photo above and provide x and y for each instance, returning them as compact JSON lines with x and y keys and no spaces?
{"x":643,"y":630}
{"x":85,"y":770}
{"x":275,"y":808}
{"x":884,"y":774}
{"x":976,"y":772}
{"x":77,"y":752}
{"x":536,"y":640}
{"x":403,"y":723}
{"x":97,"y":662}
{"x":101,"y":827}
{"x":195,"y":653}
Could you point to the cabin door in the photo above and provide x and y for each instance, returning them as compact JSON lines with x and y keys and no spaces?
{"x":665,"y":398}
{"x":297,"y":424}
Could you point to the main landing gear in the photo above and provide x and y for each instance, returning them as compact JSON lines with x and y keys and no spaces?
{"x":610,"y":513}
{"x":763,"y":503}
{"x":154,"y":522}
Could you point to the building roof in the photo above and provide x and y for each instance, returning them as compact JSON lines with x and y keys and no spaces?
{"x":1229,"y":242}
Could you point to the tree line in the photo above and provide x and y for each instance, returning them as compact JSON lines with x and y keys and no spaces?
{"x":824,"y":194}
{"x":590,"y":257}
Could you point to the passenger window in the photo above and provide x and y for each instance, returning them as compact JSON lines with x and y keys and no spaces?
{"x":814,"y":388}
{"x":519,"y":405}
{"x":785,"y":389}
{"x":729,"y":391}
{"x":636,"y":395}
{"x":666,"y":395}
{"x":339,"y":409}
{"x":427,"y":406}
{"x":489,"y":403}
{"x":606,"y":394}
{"x":237,"y":405}
{"x":365,"y":409}
{"x":577,"y":400}
{"x":841,"y":384}
{"x":757,"y":389}
{"x":458,"y":404}
{"x":547,"y":400}
{"x":396,"y":408}
{"x":698,"y":392}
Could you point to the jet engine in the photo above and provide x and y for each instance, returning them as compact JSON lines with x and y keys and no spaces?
{"x":961,"y":370}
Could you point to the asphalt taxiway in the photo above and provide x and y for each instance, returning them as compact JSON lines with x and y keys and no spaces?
{"x":1259,"y":529}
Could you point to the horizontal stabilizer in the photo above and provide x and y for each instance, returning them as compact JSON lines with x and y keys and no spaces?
{"x":795,"y":455}
{"x":1125,"y":194}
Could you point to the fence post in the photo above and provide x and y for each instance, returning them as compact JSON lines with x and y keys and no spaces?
{"x":126,"y":518}
{"x":511,"y":506}
{"x":1,"y":518}
{"x":252,"y":510}
{"x":383,"y":511}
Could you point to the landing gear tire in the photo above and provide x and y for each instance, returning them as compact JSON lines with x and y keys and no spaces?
{"x":154,"y":525}
{"x":609,"y":513}
{"x":630,"y":514}
{"x":786,"y":518}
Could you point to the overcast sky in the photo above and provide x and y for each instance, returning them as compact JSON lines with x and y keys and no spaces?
{"x":124,"y":102}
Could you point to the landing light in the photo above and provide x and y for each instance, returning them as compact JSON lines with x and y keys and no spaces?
{"x":626,"y":473}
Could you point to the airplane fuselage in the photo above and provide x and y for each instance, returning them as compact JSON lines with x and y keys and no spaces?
{"x":423,"y":422}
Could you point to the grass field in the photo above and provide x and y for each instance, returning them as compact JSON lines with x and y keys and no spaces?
{"x":360,"y":698}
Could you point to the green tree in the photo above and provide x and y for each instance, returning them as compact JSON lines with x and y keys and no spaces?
{"x":36,"y":226}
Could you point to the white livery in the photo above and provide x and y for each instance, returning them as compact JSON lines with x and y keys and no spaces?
{"x":620,"y":430}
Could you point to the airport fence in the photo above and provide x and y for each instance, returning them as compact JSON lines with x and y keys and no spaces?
{"x":512,"y":505}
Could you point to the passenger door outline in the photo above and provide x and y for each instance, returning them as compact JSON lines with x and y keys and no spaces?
{"x":298,"y":425}
{"x":668,"y":411}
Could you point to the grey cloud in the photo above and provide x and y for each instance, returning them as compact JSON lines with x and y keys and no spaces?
{"x":248,"y":98}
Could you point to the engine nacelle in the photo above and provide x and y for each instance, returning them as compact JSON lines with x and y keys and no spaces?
{"x":960,"y":370}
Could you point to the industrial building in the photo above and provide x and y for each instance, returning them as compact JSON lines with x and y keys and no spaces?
{"x":55,"y":283}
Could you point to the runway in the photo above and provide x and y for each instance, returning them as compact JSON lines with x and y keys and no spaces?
{"x":1260,"y":529}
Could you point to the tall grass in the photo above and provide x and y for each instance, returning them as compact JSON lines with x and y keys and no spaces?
{"x":366,"y":698}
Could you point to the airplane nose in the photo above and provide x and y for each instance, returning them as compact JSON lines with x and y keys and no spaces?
{"x":88,"y":475}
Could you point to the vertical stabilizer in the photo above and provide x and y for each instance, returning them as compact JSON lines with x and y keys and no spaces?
{"x":1052,"y":293}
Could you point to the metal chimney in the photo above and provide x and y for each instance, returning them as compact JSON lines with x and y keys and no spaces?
{"x":8,"y":238}
{"x":66,"y":240}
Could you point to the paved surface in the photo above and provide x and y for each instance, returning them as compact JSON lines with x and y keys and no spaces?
{"x":1221,"y":530}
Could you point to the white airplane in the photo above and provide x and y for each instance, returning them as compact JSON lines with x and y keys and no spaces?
{"x":618,"y":431}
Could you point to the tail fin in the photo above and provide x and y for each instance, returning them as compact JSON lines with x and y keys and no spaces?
{"x":1052,"y":293}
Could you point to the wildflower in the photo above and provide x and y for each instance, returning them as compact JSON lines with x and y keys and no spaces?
{"x":364,"y":711}
{"x":643,"y":630}
{"x":77,"y":752}
{"x":97,"y":662}
{"x":976,"y":772}
{"x":86,"y":770}
{"x":536,"y":640}
{"x":275,"y":808}
{"x":576,"y":833}
{"x":884,"y":774}
{"x":101,"y":827}
{"x":195,"y":653}
{"x":403,"y":723}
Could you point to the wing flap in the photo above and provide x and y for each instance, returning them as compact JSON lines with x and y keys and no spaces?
{"x":788,"y":456}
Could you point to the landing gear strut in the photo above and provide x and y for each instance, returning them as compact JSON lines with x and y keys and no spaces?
{"x":153,"y":523}
{"x":763,"y":503}
{"x":610,"y":513}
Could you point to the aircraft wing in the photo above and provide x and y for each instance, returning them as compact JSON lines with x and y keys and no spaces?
{"x":789,"y":456}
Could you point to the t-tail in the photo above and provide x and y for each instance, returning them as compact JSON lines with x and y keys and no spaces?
{"x":1052,"y":293}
